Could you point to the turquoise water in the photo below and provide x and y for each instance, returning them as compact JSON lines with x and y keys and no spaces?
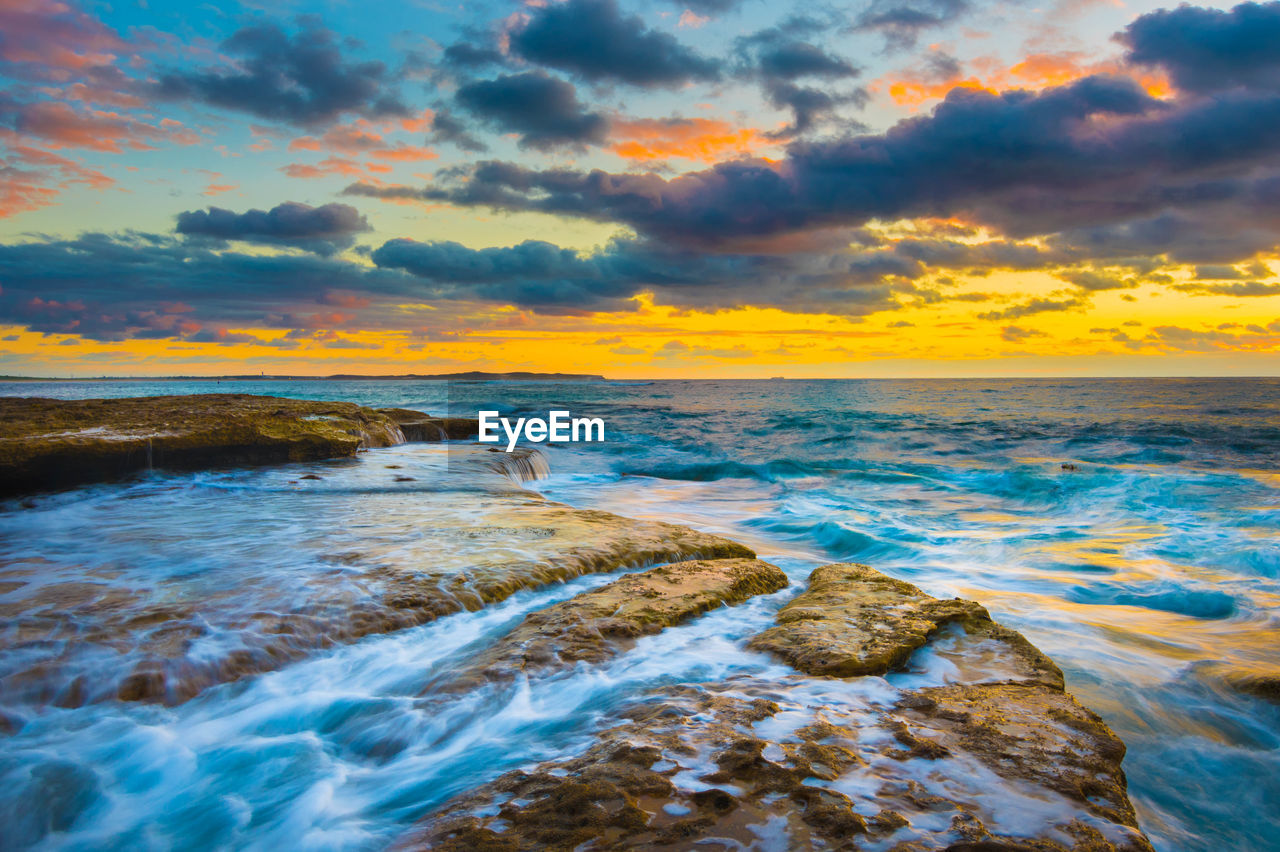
{"x":1145,"y":571}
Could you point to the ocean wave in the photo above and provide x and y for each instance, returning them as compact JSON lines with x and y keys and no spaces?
{"x":1167,"y":597}
{"x":711,"y":471}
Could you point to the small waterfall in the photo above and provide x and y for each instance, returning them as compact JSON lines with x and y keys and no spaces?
{"x":524,"y":464}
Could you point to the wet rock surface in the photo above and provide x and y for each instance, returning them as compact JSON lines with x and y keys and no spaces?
{"x":974,"y":746}
{"x":597,"y":624}
{"x":72,"y":634}
{"x":48,"y":443}
{"x":853,"y":620}
{"x":417,"y":426}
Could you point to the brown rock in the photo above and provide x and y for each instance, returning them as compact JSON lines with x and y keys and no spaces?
{"x":418,"y":426}
{"x":78,"y":641}
{"x":47,"y":443}
{"x":597,"y":624}
{"x":853,"y":620}
{"x":1004,"y":761}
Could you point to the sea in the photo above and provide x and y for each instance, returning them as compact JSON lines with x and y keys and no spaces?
{"x":1130,"y":528}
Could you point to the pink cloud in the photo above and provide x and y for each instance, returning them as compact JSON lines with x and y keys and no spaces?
{"x":55,"y":38}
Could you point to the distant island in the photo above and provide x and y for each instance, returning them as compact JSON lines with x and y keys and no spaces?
{"x":473,"y":376}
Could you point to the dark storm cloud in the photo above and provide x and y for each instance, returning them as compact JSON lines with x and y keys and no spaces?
{"x":544,"y":110}
{"x":301,"y":78}
{"x":902,"y":22}
{"x":323,"y":230}
{"x":1207,"y":50}
{"x":1093,"y":154}
{"x":594,"y":40}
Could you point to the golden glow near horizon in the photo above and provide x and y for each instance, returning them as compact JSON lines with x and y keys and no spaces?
{"x":1149,"y":329}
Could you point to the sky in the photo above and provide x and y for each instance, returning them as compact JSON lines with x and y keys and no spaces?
{"x":640,"y":188}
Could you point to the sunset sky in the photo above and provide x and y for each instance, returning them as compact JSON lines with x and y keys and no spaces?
{"x":692,"y":188}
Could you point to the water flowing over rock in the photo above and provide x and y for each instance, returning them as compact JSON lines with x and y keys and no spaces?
{"x":417,"y":426}
{"x":977,"y":747}
{"x":596,"y":624}
{"x":75,"y":635}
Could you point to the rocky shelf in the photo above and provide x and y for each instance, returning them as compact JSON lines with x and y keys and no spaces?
{"x":49,"y":443}
{"x":996,"y":756}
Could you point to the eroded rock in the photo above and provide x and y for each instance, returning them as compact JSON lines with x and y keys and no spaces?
{"x":48,"y":443}
{"x":852,"y":620}
{"x":597,"y":624}
{"x":993,"y":756}
{"x":69,"y":635}
{"x":787,"y":765}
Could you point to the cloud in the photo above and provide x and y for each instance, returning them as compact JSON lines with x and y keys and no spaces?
{"x":393,"y":193}
{"x":707,"y":7}
{"x":446,"y":128}
{"x":1241,"y":288}
{"x":114,"y":287}
{"x":31,"y":178}
{"x":902,"y":22}
{"x":544,"y":110}
{"x":777,"y":58}
{"x":325,"y":168}
{"x":809,"y":106}
{"x":548,"y":278}
{"x":47,"y":39}
{"x":300,"y":79}
{"x":138,"y":285}
{"x":1017,"y":334}
{"x":59,"y":125}
{"x":704,"y":139}
{"x":1210,"y":50}
{"x":1088,"y":279}
{"x":783,"y":58}
{"x":324,"y":230}
{"x":471,"y":56}
{"x":1093,"y":154}
{"x":592,"y":39}
{"x":1035,"y":306}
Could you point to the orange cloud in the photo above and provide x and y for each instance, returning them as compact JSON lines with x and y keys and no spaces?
{"x":409,"y":153}
{"x":704,"y":139}
{"x":345,"y":139}
{"x":60,"y":126}
{"x":1035,"y":72}
{"x":361,"y":138}
{"x":31,"y":178}
{"x":325,"y":168}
